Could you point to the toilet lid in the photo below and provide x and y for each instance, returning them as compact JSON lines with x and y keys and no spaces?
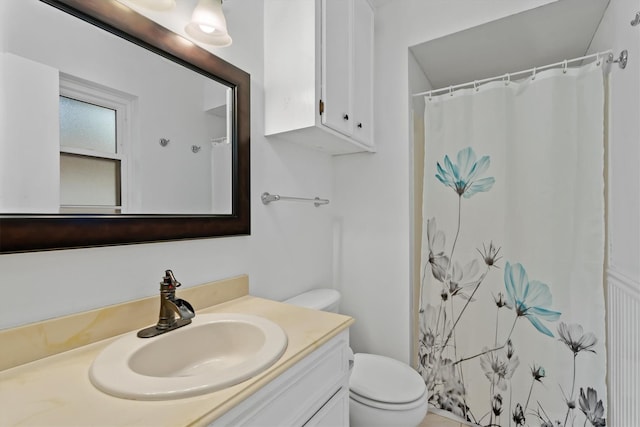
{"x":384,"y":379}
{"x":421,"y":401}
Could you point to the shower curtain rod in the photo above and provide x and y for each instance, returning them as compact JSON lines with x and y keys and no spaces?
{"x":607,"y":54}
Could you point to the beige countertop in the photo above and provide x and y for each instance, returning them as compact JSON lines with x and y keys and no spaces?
{"x":56,"y":391}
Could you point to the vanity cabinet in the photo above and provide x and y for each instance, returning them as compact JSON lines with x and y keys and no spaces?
{"x":313,"y":392}
{"x":319,"y":73}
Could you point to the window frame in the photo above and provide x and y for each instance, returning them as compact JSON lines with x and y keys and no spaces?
{"x":124,"y":105}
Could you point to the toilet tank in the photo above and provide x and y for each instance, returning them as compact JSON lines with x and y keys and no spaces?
{"x":319,"y":299}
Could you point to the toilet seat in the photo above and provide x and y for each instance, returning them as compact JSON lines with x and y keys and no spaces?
{"x":385,"y":383}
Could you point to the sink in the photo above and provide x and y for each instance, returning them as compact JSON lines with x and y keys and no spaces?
{"x":214,"y":352}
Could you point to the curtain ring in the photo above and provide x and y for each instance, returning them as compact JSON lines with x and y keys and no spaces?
{"x":533,"y":76}
{"x":598,"y":60}
{"x":564,"y":67}
{"x":450,"y":90}
{"x":475,"y":85}
{"x":430,"y":98}
{"x":506,"y":79}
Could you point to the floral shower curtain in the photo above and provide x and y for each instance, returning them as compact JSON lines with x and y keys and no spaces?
{"x":512,"y":314}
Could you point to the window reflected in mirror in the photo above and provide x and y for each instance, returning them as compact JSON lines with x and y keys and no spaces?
{"x":90,"y":163}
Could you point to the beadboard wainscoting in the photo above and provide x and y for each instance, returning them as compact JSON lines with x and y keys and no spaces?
{"x":623,"y":347}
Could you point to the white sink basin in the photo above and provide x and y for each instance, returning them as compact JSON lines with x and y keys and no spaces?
{"x":213,"y":352}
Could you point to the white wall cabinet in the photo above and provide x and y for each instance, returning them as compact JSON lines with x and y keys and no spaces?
{"x":313,"y":392}
{"x":319,"y":73}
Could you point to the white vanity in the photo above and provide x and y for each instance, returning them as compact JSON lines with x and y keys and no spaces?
{"x":314,"y":392}
{"x":45,"y":377}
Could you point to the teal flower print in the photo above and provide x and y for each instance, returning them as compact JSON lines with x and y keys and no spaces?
{"x":462,"y":177}
{"x":530,"y":299}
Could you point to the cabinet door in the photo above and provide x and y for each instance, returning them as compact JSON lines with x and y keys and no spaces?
{"x":334,"y":413}
{"x":363,"y":72}
{"x":336,"y":64}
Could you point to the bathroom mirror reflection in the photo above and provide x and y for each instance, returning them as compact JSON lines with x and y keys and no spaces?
{"x":109,"y":126}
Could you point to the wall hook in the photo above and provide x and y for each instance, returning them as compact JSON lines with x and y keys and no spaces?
{"x":636,"y":20}
{"x":195,"y":148}
{"x":164,"y":142}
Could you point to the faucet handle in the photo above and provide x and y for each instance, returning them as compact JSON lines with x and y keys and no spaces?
{"x":169,"y":280}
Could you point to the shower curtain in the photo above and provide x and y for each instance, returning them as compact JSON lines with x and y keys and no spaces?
{"x":512,"y":314}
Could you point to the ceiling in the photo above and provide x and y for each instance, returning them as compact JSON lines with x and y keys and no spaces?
{"x":540,"y":36}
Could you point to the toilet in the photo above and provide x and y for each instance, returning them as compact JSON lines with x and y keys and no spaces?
{"x":382,"y":391}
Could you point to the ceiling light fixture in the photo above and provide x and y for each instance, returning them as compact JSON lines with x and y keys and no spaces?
{"x":208,"y":24}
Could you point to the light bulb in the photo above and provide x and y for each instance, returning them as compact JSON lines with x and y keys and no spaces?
{"x":207,"y":29}
{"x":208,"y":24}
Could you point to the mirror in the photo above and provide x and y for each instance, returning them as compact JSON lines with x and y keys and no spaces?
{"x":164,"y":135}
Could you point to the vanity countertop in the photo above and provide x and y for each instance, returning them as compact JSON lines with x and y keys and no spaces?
{"x":56,"y":391}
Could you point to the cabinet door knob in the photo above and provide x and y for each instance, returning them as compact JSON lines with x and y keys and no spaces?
{"x":360,"y":125}
{"x":346,"y":117}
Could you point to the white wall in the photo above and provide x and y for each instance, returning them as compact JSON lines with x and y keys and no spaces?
{"x":372,"y":192}
{"x":29,"y":153}
{"x":623,"y":278}
{"x":288,"y":252}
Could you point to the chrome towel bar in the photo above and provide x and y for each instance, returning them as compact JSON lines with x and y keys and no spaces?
{"x":268,"y":198}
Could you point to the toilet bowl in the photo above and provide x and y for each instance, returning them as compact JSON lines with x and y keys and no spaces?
{"x":383,"y":391}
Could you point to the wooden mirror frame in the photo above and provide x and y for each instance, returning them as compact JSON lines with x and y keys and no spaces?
{"x":36,"y":232}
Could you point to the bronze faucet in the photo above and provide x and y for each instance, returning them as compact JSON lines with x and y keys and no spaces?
{"x":169,"y":308}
